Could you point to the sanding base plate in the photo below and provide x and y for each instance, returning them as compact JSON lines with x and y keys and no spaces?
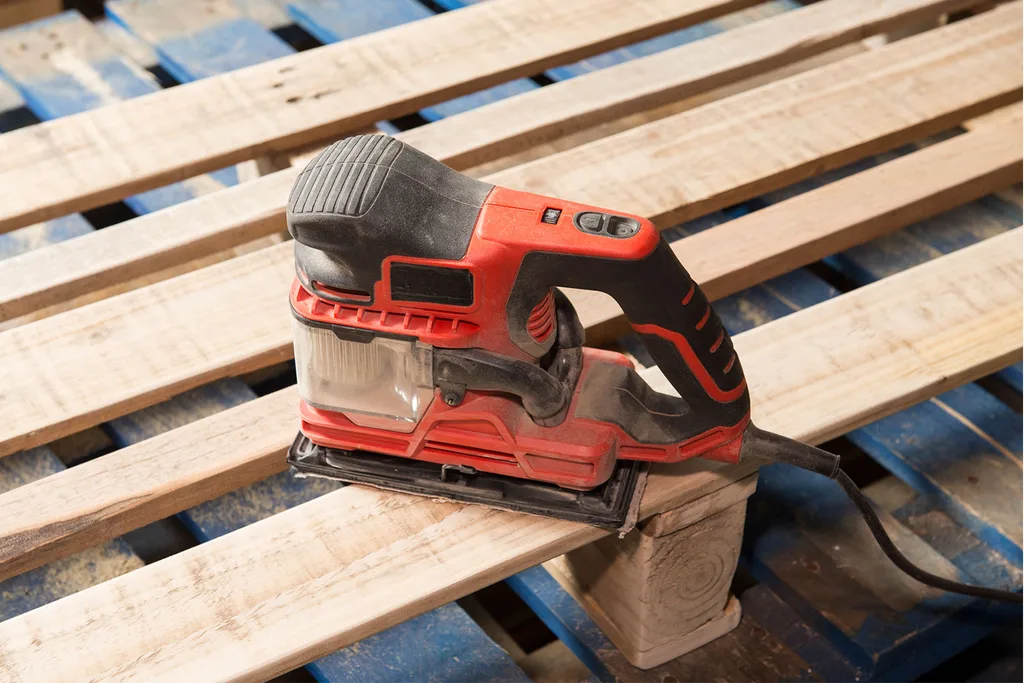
{"x":607,"y":506}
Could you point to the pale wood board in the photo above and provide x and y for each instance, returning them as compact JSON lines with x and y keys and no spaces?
{"x":725,"y":259}
{"x":93,"y":158}
{"x":858,"y":106}
{"x":281,"y":592}
{"x":829,"y":219}
{"x":88,"y":365}
{"x":91,"y":295}
{"x":167,"y":238}
{"x":539,"y":116}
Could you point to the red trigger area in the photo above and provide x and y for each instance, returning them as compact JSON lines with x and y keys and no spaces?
{"x":688,"y":354}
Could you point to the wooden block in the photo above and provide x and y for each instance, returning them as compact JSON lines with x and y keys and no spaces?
{"x":14,"y":12}
{"x":663,"y":589}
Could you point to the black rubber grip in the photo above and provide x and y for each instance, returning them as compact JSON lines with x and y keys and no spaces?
{"x":673,"y":317}
{"x":369,"y":197}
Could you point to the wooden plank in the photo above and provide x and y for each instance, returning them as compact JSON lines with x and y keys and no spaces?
{"x":181,"y":132}
{"x":64,"y":576}
{"x":14,"y":12}
{"x":82,"y":72}
{"x":676,"y":74}
{"x":131,"y":250}
{"x":222,"y":36}
{"x":804,"y":228}
{"x":63,"y":66}
{"x":285,"y":590}
{"x":91,"y":365}
{"x":331,"y":21}
{"x":450,"y":640}
{"x":698,"y":140}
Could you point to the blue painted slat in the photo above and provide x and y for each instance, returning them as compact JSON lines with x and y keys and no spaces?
{"x":39,"y":235}
{"x":65,"y":576}
{"x":199,"y":42}
{"x":977,"y":482}
{"x":62,"y":65}
{"x":964,"y":450}
{"x":751,"y":651}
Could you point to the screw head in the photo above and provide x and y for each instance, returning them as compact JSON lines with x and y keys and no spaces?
{"x":451,"y":398}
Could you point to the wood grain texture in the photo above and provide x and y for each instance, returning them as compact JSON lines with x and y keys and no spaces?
{"x":804,"y":228}
{"x":115,"y":364}
{"x":532,"y":118}
{"x":208,"y":124}
{"x":860,"y":106}
{"x":283,"y":591}
{"x":153,"y":242}
{"x":979,"y":304}
{"x":84,"y":366}
{"x":651,"y":593}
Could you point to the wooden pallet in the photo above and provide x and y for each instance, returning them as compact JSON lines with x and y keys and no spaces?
{"x":855,"y":141}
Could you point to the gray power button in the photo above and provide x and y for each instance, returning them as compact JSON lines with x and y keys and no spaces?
{"x":606,"y":225}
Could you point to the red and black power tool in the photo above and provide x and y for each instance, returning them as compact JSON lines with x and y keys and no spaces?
{"x":429,"y":330}
{"x":435,"y":355}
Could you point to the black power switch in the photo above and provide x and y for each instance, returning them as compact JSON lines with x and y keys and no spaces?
{"x":551,"y":216}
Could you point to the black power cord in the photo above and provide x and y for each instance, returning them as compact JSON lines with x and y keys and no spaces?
{"x":761,"y":444}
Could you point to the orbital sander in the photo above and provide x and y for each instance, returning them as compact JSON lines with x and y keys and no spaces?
{"x":436,"y":355}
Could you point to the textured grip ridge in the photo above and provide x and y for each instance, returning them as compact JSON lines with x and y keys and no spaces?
{"x":346,"y":178}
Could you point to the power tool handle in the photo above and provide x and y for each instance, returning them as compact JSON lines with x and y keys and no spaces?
{"x":666,"y":308}
{"x":679,"y":328}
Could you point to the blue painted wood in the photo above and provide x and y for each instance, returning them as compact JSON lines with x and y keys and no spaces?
{"x":964,"y":450}
{"x":195,"y":43}
{"x":331,"y":21}
{"x":67,"y":67}
{"x":565,"y":617}
{"x":443,"y":645}
{"x":57,"y":579}
{"x":39,"y":235}
{"x":794,"y":544}
{"x":973,"y":471}
{"x":751,"y":652}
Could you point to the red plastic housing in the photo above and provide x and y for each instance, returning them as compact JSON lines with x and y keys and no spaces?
{"x":491,"y":431}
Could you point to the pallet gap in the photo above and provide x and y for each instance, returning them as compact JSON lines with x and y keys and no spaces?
{"x":514,"y":617}
{"x":1002,"y":390}
{"x":160,"y":539}
{"x":109,"y":214}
